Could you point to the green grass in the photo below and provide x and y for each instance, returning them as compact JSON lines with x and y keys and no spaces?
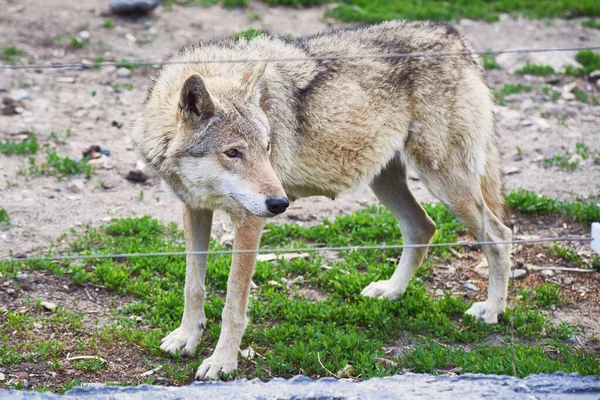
{"x":77,"y":43}
{"x":372,"y":11}
{"x":248,"y":34}
{"x":11,"y":54}
{"x":509,"y":89}
{"x":527,"y":202}
{"x":59,"y":166}
{"x":29,"y":145}
{"x":4,"y":218}
{"x":591,"y":23}
{"x":109,"y":24}
{"x":290,"y":332}
{"x":234,"y":3}
{"x":535,"y":69}
{"x":590,"y":61}
{"x":552,"y":93}
{"x":570,"y":161}
{"x":489,"y":61}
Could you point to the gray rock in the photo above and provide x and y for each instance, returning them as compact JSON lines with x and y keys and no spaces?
{"x":547,"y":272}
{"x":123,"y":72}
{"x":76,"y":186}
{"x":517,"y":273}
{"x":19,"y":94}
{"x":527,"y":104}
{"x":133,"y":6}
{"x":22,"y":276}
{"x":559,"y":111}
{"x":471,"y":287}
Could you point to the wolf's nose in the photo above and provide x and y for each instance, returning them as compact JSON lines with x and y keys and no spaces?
{"x":277,"y":205}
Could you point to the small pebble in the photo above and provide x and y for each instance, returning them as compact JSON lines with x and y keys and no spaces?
{"x":22,"y":276}
{"x":471,"y":287}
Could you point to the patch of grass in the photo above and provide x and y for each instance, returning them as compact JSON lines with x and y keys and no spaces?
{"x":590,"y":61}
{"x":570,"y":161}
{"x":372,"y":11}
{"x":234,"y":3}
{"x":509,"y":89}
{"x":248,"y":34}
{"x":11,"y":54}
{"x":591,"y":23}
{"x":77,"y":43}
{"x":109,"y":24}
{"x":4,"y":218}
{"x":125,"y":63}
{"x":91,"y":365}
{"x":292,"y":333}
{"x":120,"y":86}
{"x":59,"y":166}
{"x":527,"y":202}
{"x":29,"y":145}
{"x":547,"y":295}
{"x":489,"y":61}
{"x":535,"y":69}
{"x":552,"y":93}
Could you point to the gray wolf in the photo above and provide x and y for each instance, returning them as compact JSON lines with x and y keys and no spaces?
{"x":250,"y":137}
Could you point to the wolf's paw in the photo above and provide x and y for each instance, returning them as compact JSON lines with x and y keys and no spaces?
{"x":215,"y":364}
{"x":486,"y":311}
{"x":183,"y":339}
{"x":382,"y":289}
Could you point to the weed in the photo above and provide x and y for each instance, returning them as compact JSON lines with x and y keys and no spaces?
{"x":552,"y":93}
{"x":126,"y":85}
{"x":489,"y":62}
{"x":528,"y":202}
{"x":29,"y":145}
{"x":254,"y":16}
{"x":534,"y":69}
{"x":234,"y":3}
{"x":77,"y":43}
{"x":508,"y":89}
{"x":59,"y":166}
{"x":248,"y":34}
{"x":590,"y":61}
{"x":11,"y":54}
{"x":591,"y":23}
{"x":91,"y":365}
{"x":570,"y":161}
{"x":547,"y":295}
{"x":109,"y":24}
{"x":4,"y":218}
{"x":580,"y":95}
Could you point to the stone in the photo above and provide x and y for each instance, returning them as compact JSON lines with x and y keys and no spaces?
{"x":559,"y":111}
{"x":527,"y":104}
{"x":517,"y":273}
{"x":137,"y":176}
{"x":471,"y":287}
{"x":19,"y":94}
{"x":133,"y":6}
{"x":439,"y":293}
{"x":65,"y":79}
{"x":76,"y":186}
{"x":511,"y":170}
{"x":84,"y":35}
{"x":547,"y":272}
{"x":123,"y":72}
{"x":130,"y":37}
{"x":48,"y":305}
{"x":21,"y":276}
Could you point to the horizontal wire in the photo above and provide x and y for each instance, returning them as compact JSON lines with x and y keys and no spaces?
{"x":294,"y":250}
{"x":296,"y":59}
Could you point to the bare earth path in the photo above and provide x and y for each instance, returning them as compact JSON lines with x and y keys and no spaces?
{"x":90,"y":103}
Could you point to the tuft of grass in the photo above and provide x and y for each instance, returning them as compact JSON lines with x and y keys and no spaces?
{"x":489,"y":61}
{"x":509,"y":89}
{"x":372,"y":11}
{"x":535,"y":69}
{"x":248,"y":34}
{"x":570,"y":161}
{"x":59,"y":166}
{"x":109,"y":24}
{"x":29,"y":145}
{"x":591,"y":23}
{"x":234,"y":3}
{"x":4,"y":218}
{"x":590,"y":61}
{"x":91,"y":365}
{"x":77,"y":43}
{"x":11,"y":54}
{"x":527,"y":202}
{"x":552,"y":93}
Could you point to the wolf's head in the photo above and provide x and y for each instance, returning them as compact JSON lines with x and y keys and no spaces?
{"x":215,"y":153}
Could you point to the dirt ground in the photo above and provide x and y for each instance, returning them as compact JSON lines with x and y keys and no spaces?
{"x":97,"y":112}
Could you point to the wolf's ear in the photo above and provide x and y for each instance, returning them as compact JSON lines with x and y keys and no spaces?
{"x":195,"y":103}
{"x":252,"y":80}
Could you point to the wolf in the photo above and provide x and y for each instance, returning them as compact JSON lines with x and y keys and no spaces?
{"x":249,"y":137}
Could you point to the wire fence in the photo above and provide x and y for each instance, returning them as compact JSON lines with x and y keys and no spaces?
{"x":157,"y":63}
{"x":294,"y":250}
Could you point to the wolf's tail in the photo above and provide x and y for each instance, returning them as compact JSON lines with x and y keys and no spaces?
{"x":491,"y":183}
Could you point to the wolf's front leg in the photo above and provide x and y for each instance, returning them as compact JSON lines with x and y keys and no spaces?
{"x":224,"y":358}
{"x":185,"y":339}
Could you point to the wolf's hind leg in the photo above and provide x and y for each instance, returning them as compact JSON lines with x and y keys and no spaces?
{"x":185,"y":339}
{"x":392,"y":190}
{"x":460,"y":190}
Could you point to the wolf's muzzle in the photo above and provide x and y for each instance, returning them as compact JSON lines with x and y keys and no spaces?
{"x":277,"y":205}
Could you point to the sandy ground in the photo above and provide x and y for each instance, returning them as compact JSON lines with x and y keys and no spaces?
{"x":88,"y":103}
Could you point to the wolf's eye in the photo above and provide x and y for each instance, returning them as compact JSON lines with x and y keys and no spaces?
{"x":269,"y":148}
{"x":233,"y":153}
